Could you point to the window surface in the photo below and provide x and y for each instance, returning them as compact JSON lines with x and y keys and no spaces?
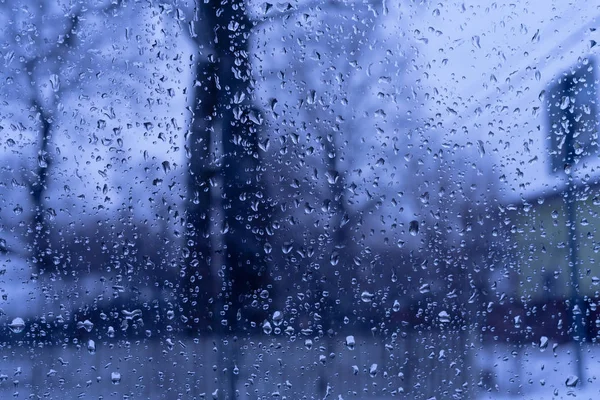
{"x":342,"y":199}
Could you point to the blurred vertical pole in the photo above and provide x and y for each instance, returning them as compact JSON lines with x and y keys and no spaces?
{"x":570,"y":198}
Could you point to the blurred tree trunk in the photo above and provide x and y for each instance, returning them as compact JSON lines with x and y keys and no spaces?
{"x":37,"y":189}
{"x":223,"y":97}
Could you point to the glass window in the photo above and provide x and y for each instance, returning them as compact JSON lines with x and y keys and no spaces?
{"x":341,"y":199}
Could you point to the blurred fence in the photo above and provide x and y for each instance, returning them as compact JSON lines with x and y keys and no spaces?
{"x":419,"y":365}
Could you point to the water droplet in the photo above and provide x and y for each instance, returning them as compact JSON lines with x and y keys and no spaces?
{"x":373,"y":370}
{"x":572,"y":381}
{"x":277,"y":318}
{"x":517,"y":321}
{"x":396,"y":306}
{"x":413,"y":228}
{"x":480,"y":148}
{"x":444,"y":317}
{"x":268,"y":248}
{"x":17,"y":325}
{"x":543,"y":343}
{"x":366,"y":297}
{"x":350,"y":342}
{"x":425,"y":288}
{"x":87,"y":325}
{"x":55,"y":82}
{"x":115,"y":378}
{"x":267,"y":328}
{"x":91,"y":346}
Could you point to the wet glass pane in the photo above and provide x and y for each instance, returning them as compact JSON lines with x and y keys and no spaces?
{"x":343,"y":199}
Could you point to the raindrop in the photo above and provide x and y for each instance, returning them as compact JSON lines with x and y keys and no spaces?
{"x":115,"y":378}
{"x":277,"y":318}
{"x":87,"y":325}
{"x":350,"y":342}
{"x":543,"y":343}
{"x":425,"y":288}
{"x":444,"y":317}
{"x":413,"y":228}
{"x":55,"y":82}
{"x":480,"y":148}
{"x":373,"y":370}
{"x":572,"y":381}
{"x":267,"y":328}
{"x":366,"y":297}
{"x":17,"y":325}
{"x":91,"y":346}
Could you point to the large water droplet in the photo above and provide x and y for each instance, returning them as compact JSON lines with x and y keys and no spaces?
{"x":543,"y":343}
{"x":444,"y":317}
{"x":413,"y":228}
{"x":17,"y":325}
{"x":366,"y":297}
{"x":350,"y":342}
{"x":572,"y":381}
{"x":267,"y":328}
{"x":373,"y":370}
{"x":115,"y":378}
{"x":87,"y":325}
{"x":277,"y":318}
